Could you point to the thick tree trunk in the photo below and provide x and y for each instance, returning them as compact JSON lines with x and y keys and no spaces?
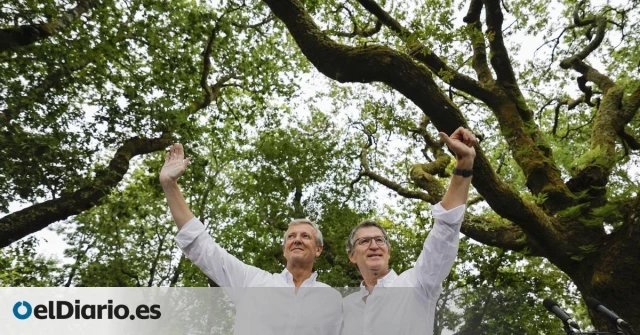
{"x":611,"y":275}
{"x":601,"y":265}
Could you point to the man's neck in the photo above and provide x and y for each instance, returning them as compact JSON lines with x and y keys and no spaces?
{"x":299,"y":273}
{"x":371,"y":278}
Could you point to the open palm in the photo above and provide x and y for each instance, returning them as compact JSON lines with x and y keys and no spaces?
{"x":174,"y":164}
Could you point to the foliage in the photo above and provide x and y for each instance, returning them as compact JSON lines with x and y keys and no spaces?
{"x":271,"y":140}
{"x":492,"y":291}
{"x":22,"y":266}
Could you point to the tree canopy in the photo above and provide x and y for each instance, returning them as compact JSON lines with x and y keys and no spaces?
{"x":320,"y":109}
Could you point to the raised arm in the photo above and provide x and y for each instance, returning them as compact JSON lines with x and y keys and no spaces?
{"x":441,"y":246}
{"x":461,"y":142}
{"x":174,"y":166}
{"x":197,"y":245}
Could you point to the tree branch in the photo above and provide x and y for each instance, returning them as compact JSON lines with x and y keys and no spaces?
{"x":156,"y":259}
{"x":298,"y":209}
{"x":211,"y":93}
{"x":569,"y":130}
{"x":577,"y":20}
{"x":500,"y":56}
{"x":403,"y":191}
{"x":74,"y":267}
{"x":423,"y":175}
{"x":428,"y":57}
{"x":571,"y":104}
{"x":376,"y":63}
{"x":178,"y":271}
{"x":12,"y":38}
{"x":206,"y":67}
{"x":609,"y":121}
{"x":384,"y":17}
{"x":629,"y":140}
{"x":505,"y":236}
{"x":32,"y":219}
{"x":268,"y":19}
{"x":632,"y":105}
{"x":576,"y":62}
{"x":601,"y":24}
{"x":525,"y":140}
{"x":479,"y":60}
{"x":356,"y":30}
{"x":474,"y":201}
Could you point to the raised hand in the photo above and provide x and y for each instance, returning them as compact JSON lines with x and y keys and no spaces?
{"x":461,"y":142}
{"x":174,"y":165}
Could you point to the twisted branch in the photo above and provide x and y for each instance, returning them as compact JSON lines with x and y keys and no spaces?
{"x":32,"y":219}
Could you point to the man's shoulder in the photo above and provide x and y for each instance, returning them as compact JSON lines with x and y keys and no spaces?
{"x":406,"y":279}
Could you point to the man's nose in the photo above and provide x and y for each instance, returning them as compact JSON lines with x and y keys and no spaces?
{"x":373,"y":245}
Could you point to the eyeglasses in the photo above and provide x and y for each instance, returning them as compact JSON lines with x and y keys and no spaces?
{"x":365,"y":241}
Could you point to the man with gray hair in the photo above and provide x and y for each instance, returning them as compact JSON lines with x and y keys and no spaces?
{"x":388,"y":303}
{"x":297,"y":309}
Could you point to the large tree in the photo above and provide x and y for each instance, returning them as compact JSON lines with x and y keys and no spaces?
{"x":578,"y":206}
{"x":88,"y":86}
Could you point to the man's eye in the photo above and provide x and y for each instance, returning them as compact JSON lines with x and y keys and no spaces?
{"x":290,"y":236}
{"x":380,"y":240}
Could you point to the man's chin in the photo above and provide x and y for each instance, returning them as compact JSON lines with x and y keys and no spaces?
{"x":376,"y":265}
{"x":299,"y":259}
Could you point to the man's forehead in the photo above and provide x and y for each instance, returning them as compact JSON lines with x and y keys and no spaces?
{"x":368,"y":232}
{"x":301,"y":227}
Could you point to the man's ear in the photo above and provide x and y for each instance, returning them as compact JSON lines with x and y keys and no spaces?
{"x":318,"y":250}
{"x":352,"y":257}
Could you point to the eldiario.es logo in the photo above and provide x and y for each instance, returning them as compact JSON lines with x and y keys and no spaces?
{"x":61,"y":309}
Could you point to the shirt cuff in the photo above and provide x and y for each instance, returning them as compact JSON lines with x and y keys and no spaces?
{"x":453,"y":216}
{"x":188,"y":233}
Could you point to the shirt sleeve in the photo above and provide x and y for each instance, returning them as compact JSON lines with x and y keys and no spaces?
{"x":223,"y":268}
{"x":440,"y":250}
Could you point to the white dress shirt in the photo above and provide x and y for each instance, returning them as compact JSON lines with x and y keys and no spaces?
{"x":315,"y":308}
{"x":406,"y":303}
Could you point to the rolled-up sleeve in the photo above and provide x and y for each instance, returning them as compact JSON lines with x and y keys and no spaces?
{"x":223,"y":268}
{"x":440,"y":249}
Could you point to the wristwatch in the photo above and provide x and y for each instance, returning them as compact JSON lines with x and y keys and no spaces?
{"x":464,"y":173}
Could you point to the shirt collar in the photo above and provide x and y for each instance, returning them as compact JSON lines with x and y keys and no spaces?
{"x":288,"y":277}
{"x":382,"y":282}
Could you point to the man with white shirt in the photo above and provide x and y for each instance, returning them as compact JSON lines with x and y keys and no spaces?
{"x":388,"y":303}
{"x":300,"y":305}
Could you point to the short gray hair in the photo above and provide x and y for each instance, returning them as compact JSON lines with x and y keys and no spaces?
{"x":364,"y":224}
{"x":309,"y":222}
